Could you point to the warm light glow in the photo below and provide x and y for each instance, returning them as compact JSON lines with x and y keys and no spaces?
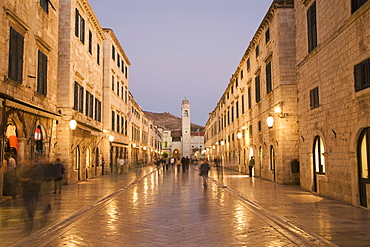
{"x":239,"y":135}
{"x":278,"y":109}
{"x":144,"y":148}
{"x":214,"y":147}
{"x":222,"y":143}
{"x":270,"y":121}
{"x":134,"y":145}
{"x":111,"y":138}
{"x":73,"y":124}
{"x":216,"y":143}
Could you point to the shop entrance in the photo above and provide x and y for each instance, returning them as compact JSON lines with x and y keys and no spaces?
{"x":363,"y":153}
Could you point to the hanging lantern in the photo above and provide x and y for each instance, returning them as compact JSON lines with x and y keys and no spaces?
{"x":38,"y":133}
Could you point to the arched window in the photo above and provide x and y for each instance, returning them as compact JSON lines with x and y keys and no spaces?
{"x":318,"y":155}
{"x":88,"y":158}
{"x":186,"y":113}
{"x":272,"y":158}
{"x":77,"y":158}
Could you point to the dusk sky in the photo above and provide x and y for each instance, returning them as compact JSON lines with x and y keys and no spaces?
{"x":181,"y":49}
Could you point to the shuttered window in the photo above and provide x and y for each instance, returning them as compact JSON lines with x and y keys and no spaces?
{"x":113,"y":120}
{"x":78,"y":104}
{"x":90,"y":42}
{"x":97,"y":115}
{"x":75,"y":96}
{"x":268,"y":77}
{"x":81,"y":99}
{"x":15,"y":56}
{"x":258,"y":88}
{"x":45,"y":5}
{"x":314,"y":98}
{"x":42,"y":73}
{"x":267,"y":35}
{"x":356,"y":4}
{"x":362,"y":75}
{"x":98,"y":54}
{"x":312,"y":27}
{"x":80,"y":27}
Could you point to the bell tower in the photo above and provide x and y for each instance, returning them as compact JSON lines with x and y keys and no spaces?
{"x":186,"y":131}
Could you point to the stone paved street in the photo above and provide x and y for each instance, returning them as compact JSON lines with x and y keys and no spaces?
{"x":146,"y":207}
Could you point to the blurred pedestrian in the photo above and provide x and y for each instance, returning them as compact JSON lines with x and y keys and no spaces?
{"x":172,"y":161}
{"x":59,"y":171}
{"x":120,"y":163}
{"x":102,"y":166}
{"x":167,"y":162}
{"x":47,"y":182}
{"x":10,"y":178}
{"x":203,"y":171}
{"x":30,"y":177}
{"x":250,"y":166}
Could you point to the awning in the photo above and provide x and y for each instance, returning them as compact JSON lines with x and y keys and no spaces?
{"x":13,"y":103}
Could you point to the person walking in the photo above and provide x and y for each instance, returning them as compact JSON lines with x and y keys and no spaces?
{"x":30,"y":177}
{"x":183,"y":163}
{"x":59,"y":170}
{"x":102,"y":166}
{"x":120,"y":163}
{"x":172,"y":161}
{"x":203,"y":171}
{"x":250,"y":166}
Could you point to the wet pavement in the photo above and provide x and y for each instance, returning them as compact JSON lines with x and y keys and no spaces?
{"x":149,"y":207}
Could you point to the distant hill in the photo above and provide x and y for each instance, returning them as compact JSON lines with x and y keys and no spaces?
{"x":169,"y":122}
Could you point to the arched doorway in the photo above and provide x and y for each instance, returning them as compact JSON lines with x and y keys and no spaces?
{"x":318,"y":160}
{"x":77,"y":162}
{"x":273,"y":162}
{"x":87,"y":162}
{"x":363,"y":154}
{"x":97,"y":160}
{"x":176,"y":154}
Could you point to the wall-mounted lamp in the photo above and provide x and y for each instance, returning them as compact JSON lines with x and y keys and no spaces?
{"x":73,"y":124}
{"x":270,"y":121}
{"x":111,"y":138}
{"x":279,"y":111}
{"x":239,"y":135}
{"x":134,"y":145}
{"x":222,"y":143}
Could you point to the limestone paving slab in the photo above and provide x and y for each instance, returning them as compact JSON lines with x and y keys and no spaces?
{"x":340,"y":223}
{"x":14,"y":225}
{"x":171,"y":208}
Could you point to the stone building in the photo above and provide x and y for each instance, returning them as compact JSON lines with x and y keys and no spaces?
{"x":185,"y":141}
{"x":262,"y":88}
{"x":145,"y":138}
{"x":28,"y":73}
{"x":79,"y":92}
{"x":332,"y":53}
{"x":116,"y":100}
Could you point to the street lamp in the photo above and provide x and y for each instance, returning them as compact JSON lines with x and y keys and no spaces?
{"x":270,"y":121}
{"x":73,"y":124}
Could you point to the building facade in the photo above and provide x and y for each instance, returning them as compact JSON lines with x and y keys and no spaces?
{"x":332,"y":53}
{"x":116,"y":101}
{"x":316,"y":100}
{"x":28,"y":98}
{"x":262,"y":88}
{"x":80,"y":90}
